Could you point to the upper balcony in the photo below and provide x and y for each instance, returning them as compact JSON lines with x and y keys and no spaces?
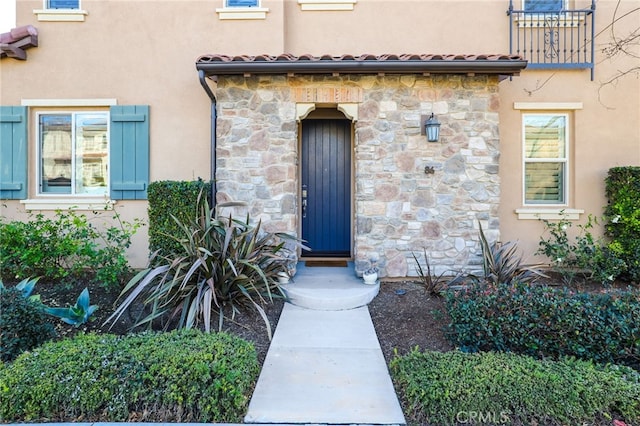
{"x":551,"y":36}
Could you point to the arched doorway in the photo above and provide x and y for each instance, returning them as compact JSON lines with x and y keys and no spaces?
{"x":326,"y":184}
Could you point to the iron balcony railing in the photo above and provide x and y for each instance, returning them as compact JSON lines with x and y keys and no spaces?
{"x":553,"y":39}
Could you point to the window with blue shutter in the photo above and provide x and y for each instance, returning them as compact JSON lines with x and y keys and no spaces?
{"x":63,"y":4}
{"x":129,"y":152}
{"x":242,"y":3}
{"x":13,"y":152}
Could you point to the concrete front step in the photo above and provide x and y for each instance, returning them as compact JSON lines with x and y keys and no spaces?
{"x":329,"y":288}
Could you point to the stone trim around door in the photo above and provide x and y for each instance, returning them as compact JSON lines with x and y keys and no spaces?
{"x":350,"y":110}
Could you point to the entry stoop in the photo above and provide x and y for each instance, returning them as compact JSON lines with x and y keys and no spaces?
{"x":329,"y":288}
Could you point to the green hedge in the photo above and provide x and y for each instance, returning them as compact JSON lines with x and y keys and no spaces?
{"x":177,"y":198}
{"x":623,"y":214}
{"x":186,"y":376}
{"x":500,"y":388}
{"x":23,"y":324}
{"x":543,"y":321}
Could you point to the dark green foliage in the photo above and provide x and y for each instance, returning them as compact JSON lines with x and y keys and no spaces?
{"x":23,"y":324}
{"x":623,"y":214}
{"x":183,"y":376}
{"x":500,"y":388}
{"x":583,"y":255}
{"x":67,"y":246}
{"x":546,"y":322}
{"x":223,"y":265}
{"x":168,"y":199}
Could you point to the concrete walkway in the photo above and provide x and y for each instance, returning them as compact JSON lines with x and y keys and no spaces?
{"x":324,"y":367}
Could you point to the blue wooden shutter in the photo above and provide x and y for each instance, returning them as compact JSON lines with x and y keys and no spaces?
{"x":13,"y":153}
{"x":129,"y":152}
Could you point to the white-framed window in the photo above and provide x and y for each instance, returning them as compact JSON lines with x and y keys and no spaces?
{"x":242,"y":10}
{"x":62,"y":4}
{"x":73,"y":153}
{"x":61,"y":11}
{"x":241,"y":3}
{"x":543,"y":5}
{"x":84,"y":150}
{"x":546,"y":158}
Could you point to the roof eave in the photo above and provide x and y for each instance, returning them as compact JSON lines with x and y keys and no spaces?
{"x":500,"y":67}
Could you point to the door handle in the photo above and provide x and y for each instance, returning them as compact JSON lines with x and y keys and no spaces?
{"x":304,"y":201}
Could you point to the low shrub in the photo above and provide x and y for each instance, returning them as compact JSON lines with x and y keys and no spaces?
{"x":546,"y":322}
{"x":67,"y":246}
{"x":500,"y":388}
{"x":185,"y":376}
{"x":582,"y":254}
{"x":23,"y":324}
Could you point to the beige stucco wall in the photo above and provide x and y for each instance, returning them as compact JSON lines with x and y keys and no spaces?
{"x":143,"y":52}
{"x":605,"y":131}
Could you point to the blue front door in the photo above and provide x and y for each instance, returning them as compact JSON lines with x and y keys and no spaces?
{"x":326,"y":187}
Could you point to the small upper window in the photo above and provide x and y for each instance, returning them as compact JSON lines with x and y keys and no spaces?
{"x":242,"y":10}
{"x":543,"y":5}
{"x":242,"y":3}
{"x":62,"y":4}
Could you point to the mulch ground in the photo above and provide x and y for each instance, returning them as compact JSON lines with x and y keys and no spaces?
{"x":403,"y":314}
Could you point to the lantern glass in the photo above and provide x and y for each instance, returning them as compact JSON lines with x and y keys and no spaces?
{"x":432,"y":127}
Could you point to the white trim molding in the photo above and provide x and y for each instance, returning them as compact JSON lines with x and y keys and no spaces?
{"x":534,"y":106}
{"x":350,"y":110}
{"x":60,"y":15}
{"x":324,"y":5}
{"x":69,"y":102}
{"x":242,"y":13}
{"x":552,"y":213}
{"x":96,"y":204}
{"x":303,"y":109}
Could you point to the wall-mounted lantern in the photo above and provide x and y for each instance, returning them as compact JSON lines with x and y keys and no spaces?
{"x":432,"y":129}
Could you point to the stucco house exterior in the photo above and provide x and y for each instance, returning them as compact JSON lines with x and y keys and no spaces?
{"x":313,"y":112}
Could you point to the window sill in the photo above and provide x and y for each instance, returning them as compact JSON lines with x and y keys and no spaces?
{"x":547,"y":105}
{"x":60,"y":15}
{"x":68,"y":204}
{"x":327,"y":4}
{"x":242,"y":13}
{"x":548,"y":213}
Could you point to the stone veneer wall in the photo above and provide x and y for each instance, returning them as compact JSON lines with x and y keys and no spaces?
{"x":399,"y":209}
